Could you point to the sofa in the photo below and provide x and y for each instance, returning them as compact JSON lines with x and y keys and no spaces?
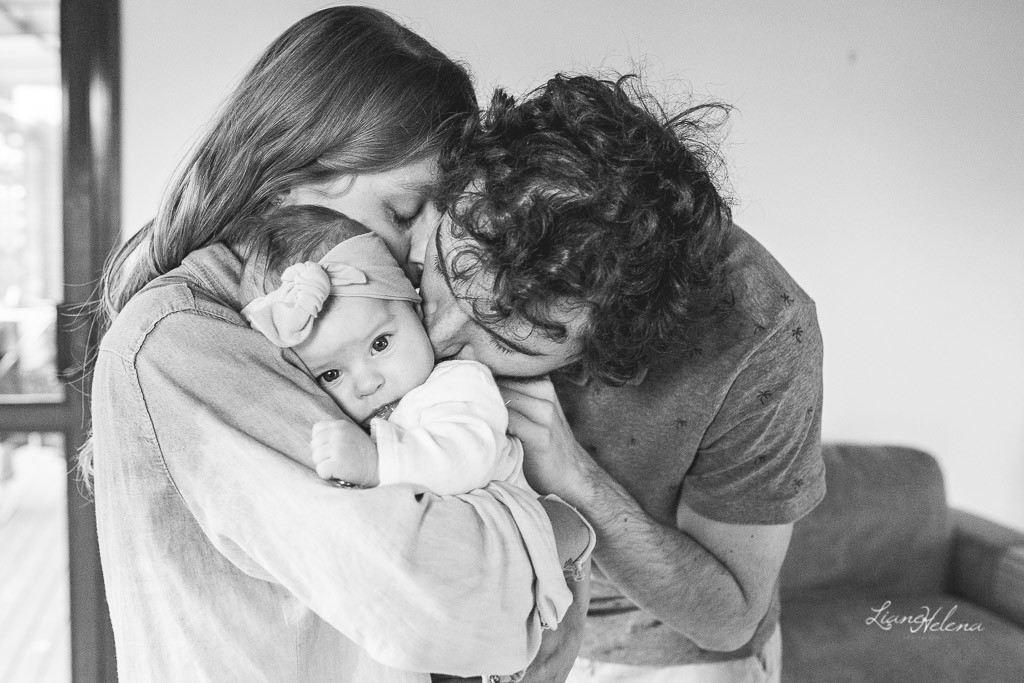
{"x":884,"y":582}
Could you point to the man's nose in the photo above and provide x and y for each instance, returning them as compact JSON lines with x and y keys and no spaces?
{"x":422,"y":232}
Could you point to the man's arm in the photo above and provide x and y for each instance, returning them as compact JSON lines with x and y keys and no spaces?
{"x":711,"y":581}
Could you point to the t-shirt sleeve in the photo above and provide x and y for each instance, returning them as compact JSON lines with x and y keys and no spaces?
{"x":421,"y":582}
{"x":760,"y":459}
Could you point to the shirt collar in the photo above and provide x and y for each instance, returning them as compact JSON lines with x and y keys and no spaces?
{"x":219,"y":271}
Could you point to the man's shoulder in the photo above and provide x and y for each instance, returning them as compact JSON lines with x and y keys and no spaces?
{"x":759,"y":285}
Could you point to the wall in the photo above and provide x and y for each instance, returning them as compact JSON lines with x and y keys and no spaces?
{"x":875,"y":149}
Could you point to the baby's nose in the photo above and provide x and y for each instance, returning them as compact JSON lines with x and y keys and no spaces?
{"x":367,"y":382}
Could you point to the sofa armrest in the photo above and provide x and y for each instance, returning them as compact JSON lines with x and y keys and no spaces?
{"x":987,"y":565}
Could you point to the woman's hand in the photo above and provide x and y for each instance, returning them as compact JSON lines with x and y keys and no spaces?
{"x":343,"y":451}
{"x":558,"y":648}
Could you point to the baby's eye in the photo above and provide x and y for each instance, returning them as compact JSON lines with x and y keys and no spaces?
{"x":329,"y":377}
{"x":381,"y":343}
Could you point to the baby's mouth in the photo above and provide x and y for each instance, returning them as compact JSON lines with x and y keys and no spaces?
{"x":384,"y":412}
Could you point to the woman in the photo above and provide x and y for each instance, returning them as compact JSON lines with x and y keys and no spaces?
{"x":223,"y":558}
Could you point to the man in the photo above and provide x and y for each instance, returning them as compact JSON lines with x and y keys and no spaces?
{"x":670,"y":369}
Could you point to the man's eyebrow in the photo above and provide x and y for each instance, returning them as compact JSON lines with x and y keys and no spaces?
{"x":443,"y":268}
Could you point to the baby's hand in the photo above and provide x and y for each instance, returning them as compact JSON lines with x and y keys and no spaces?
{"x":341,"y":450}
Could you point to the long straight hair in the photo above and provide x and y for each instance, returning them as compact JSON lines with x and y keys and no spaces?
{"x":344,"y":90}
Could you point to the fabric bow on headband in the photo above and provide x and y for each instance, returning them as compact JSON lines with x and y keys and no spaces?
{"x":359,"y":266}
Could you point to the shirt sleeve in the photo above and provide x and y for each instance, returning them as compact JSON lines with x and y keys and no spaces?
{"x":448,"y":434}
{"x":760,"y":459}
{"x":421,"y":582}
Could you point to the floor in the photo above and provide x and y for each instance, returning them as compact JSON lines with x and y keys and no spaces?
{"x":34,"y":626}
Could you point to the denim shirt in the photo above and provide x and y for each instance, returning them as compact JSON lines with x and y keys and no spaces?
{"x":226,"y":560}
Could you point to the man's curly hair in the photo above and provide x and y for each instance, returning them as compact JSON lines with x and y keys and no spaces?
{"x":586,"y":192}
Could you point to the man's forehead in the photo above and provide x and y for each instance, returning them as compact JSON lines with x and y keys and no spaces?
{"x":472,"y":286}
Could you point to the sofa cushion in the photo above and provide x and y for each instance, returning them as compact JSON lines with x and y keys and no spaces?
{"x":827,"y":637}
{"x":883,"y":523}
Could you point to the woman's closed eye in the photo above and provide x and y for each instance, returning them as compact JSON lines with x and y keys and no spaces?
{"x":405,"y":221}
{"x":329,"y":377}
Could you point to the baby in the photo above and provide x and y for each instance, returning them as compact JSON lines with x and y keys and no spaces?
{"x":352,"y":318}
{"x":341,"y":302}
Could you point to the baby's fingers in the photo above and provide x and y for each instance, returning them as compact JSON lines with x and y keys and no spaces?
{"x":326,"y":432}
{"x":325,"y":468}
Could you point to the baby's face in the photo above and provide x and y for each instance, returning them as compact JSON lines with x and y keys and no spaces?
{"x":367,"y":353}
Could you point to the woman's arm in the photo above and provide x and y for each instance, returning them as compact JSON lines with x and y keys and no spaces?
{"x":421,"y":582}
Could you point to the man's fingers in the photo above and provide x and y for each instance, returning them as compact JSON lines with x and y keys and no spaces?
{"x":533,"y":434}
{"x":541,"y":388}
{"x":538,"y":411}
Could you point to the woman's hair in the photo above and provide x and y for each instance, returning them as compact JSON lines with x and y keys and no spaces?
{"x":344,"y":90}
{"x":588,"y":193}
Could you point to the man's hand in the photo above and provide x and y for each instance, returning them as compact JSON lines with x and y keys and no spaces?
{"x":554,"y":462}
{"x":341,"y":450}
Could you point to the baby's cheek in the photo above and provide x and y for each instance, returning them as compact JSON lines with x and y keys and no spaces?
{"x":337,"y":395}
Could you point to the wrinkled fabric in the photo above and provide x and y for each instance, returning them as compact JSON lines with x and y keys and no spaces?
{"x":449,"y":433}
{"x":449,"y":436}
{"x":226,"y":560}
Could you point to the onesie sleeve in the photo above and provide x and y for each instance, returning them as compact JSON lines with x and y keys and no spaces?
{"x":760,"y":459}
{"x":448,"y":434}
{"x":421,"y":582}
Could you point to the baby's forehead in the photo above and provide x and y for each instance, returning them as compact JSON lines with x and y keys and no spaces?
{"x":358,"y":313}
{"x":347,"y":324}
